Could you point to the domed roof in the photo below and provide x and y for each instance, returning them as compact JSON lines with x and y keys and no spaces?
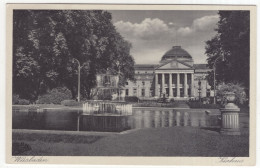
{"x":176,"y":52}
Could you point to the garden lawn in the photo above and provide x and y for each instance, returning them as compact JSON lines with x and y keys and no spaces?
{"x":175,"y":141}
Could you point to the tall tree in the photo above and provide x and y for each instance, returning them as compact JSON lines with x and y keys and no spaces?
{"x":232,"y":42}
{"x":47,"y":41}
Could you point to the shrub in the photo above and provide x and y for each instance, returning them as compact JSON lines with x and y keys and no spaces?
{"x":131,"y":99}
{"x":156,"y":104}
{"x":194,"y":104}
{"x":236,"y":88}
{"x":69,"y":103}
{"x":104,"y":96}
{"x":55,"y":96}
{"x":15,"y":99}
{"x":23,"y":102}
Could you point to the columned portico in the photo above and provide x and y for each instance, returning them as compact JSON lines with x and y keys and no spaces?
{"x":185,"y":86}
{"x":170,"y":86}
{"x":178,"y":85}
{"x":156,"y":85}
{"x":178,"y":82}
{"x":176,"y":76}
{"x":163,"y":84}
{"x":192,"y":85}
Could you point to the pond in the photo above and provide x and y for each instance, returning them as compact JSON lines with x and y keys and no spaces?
{"x":72,"y":120}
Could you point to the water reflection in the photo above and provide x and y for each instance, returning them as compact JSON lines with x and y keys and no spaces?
{"x":110,"y":123}
{"x":45,"y":120}
{"x":178,"y":118}
{"x":171,"y":119}
{"x":141,"y":118}
{"x":166,"y":118}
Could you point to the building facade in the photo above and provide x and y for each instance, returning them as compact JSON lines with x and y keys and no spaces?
{"x":176,"y":76}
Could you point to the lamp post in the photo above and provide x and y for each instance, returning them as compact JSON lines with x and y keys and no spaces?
{"x":118,"y":66}
{"x":74,"y":59}
{"x":214,"y":71}
{"x":138,"y":92}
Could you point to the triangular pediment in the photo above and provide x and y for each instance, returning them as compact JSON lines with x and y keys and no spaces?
{"x":175,"y":64}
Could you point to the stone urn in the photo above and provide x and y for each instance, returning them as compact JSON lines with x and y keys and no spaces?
{"x":230,"y":116}
{"x":230,"y":96}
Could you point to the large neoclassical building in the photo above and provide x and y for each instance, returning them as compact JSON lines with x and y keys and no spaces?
{"x":176,"y":76}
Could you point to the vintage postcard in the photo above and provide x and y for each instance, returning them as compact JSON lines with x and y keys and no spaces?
{"x":131,"y":84}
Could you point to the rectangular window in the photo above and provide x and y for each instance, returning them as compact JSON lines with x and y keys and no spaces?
{"x":134,"y":92}
{"x":127,"y":92}
{"x":208,"y":92}
{"x":143,"y":83}
{"x":181,"y":92}
{"x":151,"y":93}
{"x":143,"y":92}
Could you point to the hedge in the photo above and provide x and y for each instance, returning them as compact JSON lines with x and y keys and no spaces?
{"x":131,"y":99}
{"x":17,"y":100}
{"x":203,"y":106}
{"x":55,"y":96}
{"x":70,"y":103}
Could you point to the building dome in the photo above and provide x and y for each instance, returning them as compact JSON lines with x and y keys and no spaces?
{"x":176,"y":52}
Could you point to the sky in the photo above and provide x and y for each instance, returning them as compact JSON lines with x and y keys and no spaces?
{"x":153,"y":33}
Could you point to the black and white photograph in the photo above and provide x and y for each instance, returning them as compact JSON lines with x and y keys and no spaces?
{"x":131,"y":82}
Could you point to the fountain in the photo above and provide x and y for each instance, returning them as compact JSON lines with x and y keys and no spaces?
{"x":105,"y":112}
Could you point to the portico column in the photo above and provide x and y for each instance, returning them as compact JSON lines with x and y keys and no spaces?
{"x":178,"y":85}
{"x":156,"y":85}
{"x":185,"y":86}
{"x":170,"y":85}
{"x":192,"y":85}
{"x":163,"y":83}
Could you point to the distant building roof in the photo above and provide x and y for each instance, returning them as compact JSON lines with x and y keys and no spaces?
{"x":153,"y":66}
{"x":176,"y":52}
{"x":200,"y":66}
{"x":145,"y":66}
